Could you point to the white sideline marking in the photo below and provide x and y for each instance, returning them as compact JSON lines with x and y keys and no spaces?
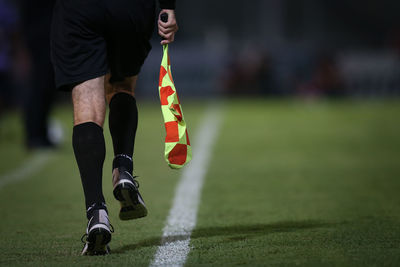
{"x":182,"y":217}
{"x":26,"y":170}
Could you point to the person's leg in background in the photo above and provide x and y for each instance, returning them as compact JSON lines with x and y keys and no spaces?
{"x":41,"y":90}
{"x":38,"y":102}
{"x":123,"y":121}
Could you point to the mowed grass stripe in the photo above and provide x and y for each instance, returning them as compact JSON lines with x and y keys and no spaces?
{"x":182,"y":218}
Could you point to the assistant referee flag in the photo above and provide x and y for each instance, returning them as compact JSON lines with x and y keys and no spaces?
{"x":178,"y":151}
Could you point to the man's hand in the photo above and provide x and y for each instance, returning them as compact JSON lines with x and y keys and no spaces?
{"x":167,"y":29}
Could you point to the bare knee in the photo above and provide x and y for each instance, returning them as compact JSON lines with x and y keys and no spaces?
{"x":88,"y":101}
{"x":127,"y":86}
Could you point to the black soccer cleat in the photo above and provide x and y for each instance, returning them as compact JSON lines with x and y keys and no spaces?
{"x":127,"y":193}
{"x":98,"y":234}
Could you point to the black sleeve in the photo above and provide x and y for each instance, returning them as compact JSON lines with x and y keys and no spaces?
{"x":167,"y":4}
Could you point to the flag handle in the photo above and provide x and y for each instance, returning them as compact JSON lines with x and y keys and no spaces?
{"x":164,"y":17}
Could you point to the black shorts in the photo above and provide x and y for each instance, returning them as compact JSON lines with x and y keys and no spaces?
{"x":90,"y":38}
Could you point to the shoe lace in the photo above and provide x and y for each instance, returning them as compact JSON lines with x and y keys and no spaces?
{"x":135,"y":182}
{"x":85,"y":236}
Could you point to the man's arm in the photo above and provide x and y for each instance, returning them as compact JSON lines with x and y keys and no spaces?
{"x":167,"y":29}
{"x":167,"y":4}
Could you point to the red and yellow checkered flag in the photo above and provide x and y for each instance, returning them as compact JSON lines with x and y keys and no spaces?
{"x":178,"y":151}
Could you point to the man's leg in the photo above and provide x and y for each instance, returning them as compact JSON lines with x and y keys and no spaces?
{"x":88,"y":139}
{"x":123,"y":120}
{"x":90,"y":151}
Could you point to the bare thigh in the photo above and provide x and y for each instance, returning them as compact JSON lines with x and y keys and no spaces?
{"x":126,"y":86}
{"x":89,"y":102}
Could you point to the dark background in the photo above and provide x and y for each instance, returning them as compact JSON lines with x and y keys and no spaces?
{"x":277,"y":48}
{"x":280,"y":48}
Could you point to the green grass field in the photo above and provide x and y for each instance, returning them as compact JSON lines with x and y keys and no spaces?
{"x":290,"y":183}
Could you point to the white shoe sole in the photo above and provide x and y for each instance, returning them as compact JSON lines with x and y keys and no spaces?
{"x":132,"y":204}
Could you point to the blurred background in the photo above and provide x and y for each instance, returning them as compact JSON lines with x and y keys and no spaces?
{"x":268,"y":48}
{"x":284,"y":48}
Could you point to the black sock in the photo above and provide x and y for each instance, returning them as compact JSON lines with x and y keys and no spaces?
{"x":123,"y":121}
{"x":123,"y":162}
{"x":90,"y":150}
